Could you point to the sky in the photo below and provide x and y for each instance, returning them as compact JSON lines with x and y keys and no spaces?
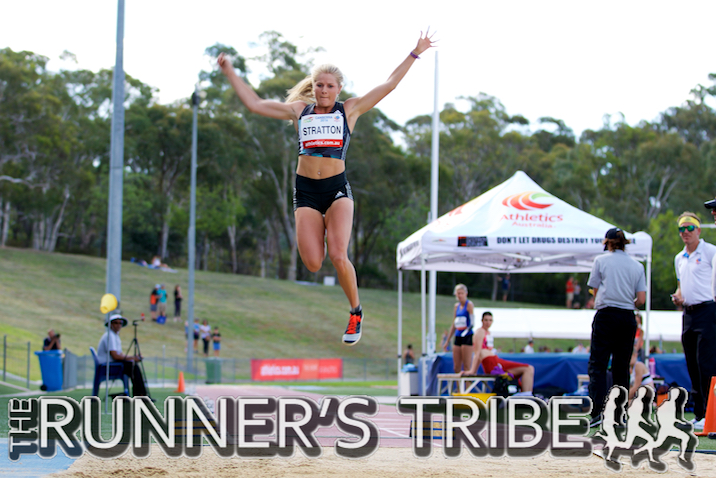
{"x":572,"y":60}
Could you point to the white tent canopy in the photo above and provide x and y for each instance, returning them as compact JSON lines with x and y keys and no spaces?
{"x":515,"y":227}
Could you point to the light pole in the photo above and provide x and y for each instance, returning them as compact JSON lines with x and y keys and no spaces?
{"x":116,"y":167}
{"x":192,"y":232}
{"x":116,"y":182}
{"x":435,"y":159}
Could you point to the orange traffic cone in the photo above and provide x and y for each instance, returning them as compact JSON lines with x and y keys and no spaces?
{"x":180,"y":388}
{"x":710,"y":423}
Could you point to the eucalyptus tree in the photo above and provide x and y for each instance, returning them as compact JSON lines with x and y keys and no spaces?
{"x":52,"y":131}
{"x":158,"y":142}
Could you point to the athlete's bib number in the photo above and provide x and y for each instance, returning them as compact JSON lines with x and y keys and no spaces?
{"x":460,"y":322}
{"x":321,"y":131}
{"x":490,"y":342}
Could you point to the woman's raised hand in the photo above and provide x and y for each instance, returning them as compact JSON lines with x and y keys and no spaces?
{"x":424,"y":42}
{"x":224,"y":62}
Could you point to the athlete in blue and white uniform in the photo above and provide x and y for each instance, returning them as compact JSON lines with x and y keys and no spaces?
{"x":323,"y":204}
{"x":462,"y":326}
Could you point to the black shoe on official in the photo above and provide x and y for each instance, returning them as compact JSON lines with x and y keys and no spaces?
{"x":596,"y":421}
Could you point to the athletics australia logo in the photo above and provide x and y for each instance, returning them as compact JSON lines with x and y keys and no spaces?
{"x":645,"y":435}
{"x":528,"y":201}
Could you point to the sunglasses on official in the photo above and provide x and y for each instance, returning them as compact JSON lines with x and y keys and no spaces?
{"x":689,"y":228}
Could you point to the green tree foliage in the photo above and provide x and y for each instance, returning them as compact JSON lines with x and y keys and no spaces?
{"x":477,"y":149}
{"x":695,"y":121}
{"x":158,"y":143}
{"x":546,"y":140}
{"x":632,"y":171}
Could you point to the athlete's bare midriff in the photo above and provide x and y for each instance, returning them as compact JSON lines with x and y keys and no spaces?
{"x":316,"y":167}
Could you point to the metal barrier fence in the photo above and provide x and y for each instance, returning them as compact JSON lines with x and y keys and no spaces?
{"x":16,"y":363}
{"x":164,"y":372}
{"x":78,"y":370}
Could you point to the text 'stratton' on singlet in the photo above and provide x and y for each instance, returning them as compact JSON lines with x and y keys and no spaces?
{"x":325,"y":135}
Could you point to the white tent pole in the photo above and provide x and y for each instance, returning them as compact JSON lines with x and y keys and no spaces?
{"x":422,"y":304}
{"x":648,"y":305}
{"x":431,"y":318}
{"x":400,"y":317}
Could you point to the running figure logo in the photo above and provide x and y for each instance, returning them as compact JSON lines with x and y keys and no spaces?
{"x":645,"y":435}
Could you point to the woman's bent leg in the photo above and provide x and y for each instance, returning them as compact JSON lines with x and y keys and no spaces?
{"x":310,"y":231}
{"x":339,"y":223}
{"x":526,"y":375}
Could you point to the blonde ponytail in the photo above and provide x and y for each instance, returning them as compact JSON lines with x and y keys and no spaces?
{"x":303,"y":91}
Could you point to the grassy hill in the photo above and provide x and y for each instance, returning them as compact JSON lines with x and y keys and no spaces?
{"x":258,"y":318}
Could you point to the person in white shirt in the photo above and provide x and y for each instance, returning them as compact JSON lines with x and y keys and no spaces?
{"x":529,"y":348}
{"x":694,"y":293}
{"x":110,"y":346}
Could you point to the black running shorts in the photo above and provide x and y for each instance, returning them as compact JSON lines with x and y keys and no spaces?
{"x":319,"y":194}
{"x":466,"y":340}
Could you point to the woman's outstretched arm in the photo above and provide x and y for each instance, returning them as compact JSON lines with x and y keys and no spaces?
{"x":361,"y":104}
{"x":256,"y":104}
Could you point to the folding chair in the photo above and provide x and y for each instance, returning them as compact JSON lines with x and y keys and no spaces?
{"x":116,"y":372}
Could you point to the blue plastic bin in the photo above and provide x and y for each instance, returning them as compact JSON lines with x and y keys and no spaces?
{"x":51,"y":368}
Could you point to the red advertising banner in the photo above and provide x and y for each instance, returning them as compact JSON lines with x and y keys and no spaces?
{"x":263,"y":370}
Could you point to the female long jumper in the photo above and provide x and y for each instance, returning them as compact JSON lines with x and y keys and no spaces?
{"x":323,"y":200}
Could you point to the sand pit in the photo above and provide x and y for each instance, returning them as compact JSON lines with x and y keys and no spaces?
{"x":385,"y":463}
